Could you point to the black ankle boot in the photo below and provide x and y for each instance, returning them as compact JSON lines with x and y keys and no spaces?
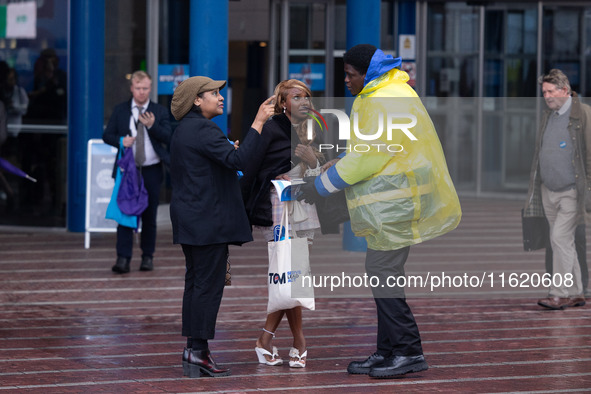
{"x":186,"y":361}
{"x":201,"y":363}
{"x":121,"y":265}
{"x":147,"y":264}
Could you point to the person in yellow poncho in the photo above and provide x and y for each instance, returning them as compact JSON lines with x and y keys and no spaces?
{"x":399,"y":193}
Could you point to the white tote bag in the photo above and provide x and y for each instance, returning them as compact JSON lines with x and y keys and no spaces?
{"x":289,"y":265}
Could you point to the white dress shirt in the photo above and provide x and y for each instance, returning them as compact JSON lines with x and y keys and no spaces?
{"x":151,"y":156}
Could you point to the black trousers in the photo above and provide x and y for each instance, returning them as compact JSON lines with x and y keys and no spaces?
{"x":398,"y":334}
{"x":581,"y":247}
{"x":153,"y":176}
{"x":204,"y":286}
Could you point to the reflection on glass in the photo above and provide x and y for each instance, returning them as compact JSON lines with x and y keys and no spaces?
{"x":587,"y":51}
{"x":452,"y":27}
{"x":306,"y":25}
{"x":452,"y":42}
{"x":452,"y":76}
{"x":510,"y":56}
{"x":48,"y":102}
{"x":33,"y":86}
{"x":561,"y":41}
{"x":522,"y":31}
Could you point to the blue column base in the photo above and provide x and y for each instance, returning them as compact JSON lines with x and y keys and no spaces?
{"x":351,"y":242}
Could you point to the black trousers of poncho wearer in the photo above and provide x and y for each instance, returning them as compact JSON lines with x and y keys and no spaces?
{"x":398,"y":334}
{"x":204,"y":287}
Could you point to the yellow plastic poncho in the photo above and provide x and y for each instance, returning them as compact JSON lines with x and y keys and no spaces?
{"x":400,"y":190}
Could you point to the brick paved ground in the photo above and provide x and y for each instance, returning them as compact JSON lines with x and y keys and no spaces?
{"x":67,"y":324}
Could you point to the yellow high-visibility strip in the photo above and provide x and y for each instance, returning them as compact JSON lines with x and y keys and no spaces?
{"x":390,"y":195}
{"x":416,"y":200}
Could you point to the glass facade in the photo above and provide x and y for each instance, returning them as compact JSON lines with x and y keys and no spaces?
{"x":510,"y":47}
{"x":125,"y":48}
{"x":303,"y":55}
{"x":452,"y":50}
{"x":495,"y":51}
{"x":490,"y":50}
{"x":33,"y":82}
{"x":562,"y":42}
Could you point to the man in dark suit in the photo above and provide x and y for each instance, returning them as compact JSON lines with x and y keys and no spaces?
{"x":143,"y":126}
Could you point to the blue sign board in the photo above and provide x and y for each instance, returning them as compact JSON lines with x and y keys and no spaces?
{"x":312,"y":74}
{"x":170,"y":75}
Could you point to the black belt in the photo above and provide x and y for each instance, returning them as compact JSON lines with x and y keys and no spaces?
{"x":151,"y":165}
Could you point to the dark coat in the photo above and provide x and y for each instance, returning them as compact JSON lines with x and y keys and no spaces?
{"x":579,"y":129}
{"x":273,"y":159}
{"x":206,"y":206}
{"x":159,"y":133}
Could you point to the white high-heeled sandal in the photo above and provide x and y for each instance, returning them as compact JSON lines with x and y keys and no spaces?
{"x":299,"y":363}
{"x":262,"y":352}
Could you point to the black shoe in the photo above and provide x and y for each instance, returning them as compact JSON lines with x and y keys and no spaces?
{"x":363,"y":367}
{"x":201,"y":363}
{"x":399,"y":365}
{"x":147,"y":264}
{"x":121,"y":265}
{"x":186,"y":361}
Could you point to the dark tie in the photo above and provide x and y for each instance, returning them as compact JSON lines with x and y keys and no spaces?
{"x":140,"y":151}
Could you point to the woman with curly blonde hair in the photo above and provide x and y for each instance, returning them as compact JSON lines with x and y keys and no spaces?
{"x":286,"y":153}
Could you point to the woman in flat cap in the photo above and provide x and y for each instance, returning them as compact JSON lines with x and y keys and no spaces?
{"x":206,"y":208}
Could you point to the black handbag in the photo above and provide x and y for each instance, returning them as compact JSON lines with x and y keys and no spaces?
{"x":536,"y":232}
{"x":332,"y":211}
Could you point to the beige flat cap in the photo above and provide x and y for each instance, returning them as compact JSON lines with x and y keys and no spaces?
{"x":185,"y":94}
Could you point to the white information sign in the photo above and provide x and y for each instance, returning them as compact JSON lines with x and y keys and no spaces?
{"x":21,"y":20}
{"x":407,"y":47}
{"x":99,"y":187}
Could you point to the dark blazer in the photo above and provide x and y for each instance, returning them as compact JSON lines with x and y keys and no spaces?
{"x":159,"y":133}
{"x":273,"y":159}
{"x":206,"y":206}
{"x":276,"y":156}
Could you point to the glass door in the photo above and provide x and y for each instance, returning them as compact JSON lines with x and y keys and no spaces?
{"x":509,"y":74}
{"x":510,"y":51}
{"x":302,"y":43}
{"x":562,"y":41}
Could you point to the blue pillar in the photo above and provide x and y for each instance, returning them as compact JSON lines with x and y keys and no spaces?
{"x":363,"y":22}
{"x":86,"y":64}
{"x":407,"y":17}
{"x":208,"y":45}
{"x":363,"y":27}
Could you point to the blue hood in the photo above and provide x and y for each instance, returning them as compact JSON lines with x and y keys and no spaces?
{"x":380,"y":63}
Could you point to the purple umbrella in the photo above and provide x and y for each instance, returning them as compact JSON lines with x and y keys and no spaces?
{"x":16,"y":171}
